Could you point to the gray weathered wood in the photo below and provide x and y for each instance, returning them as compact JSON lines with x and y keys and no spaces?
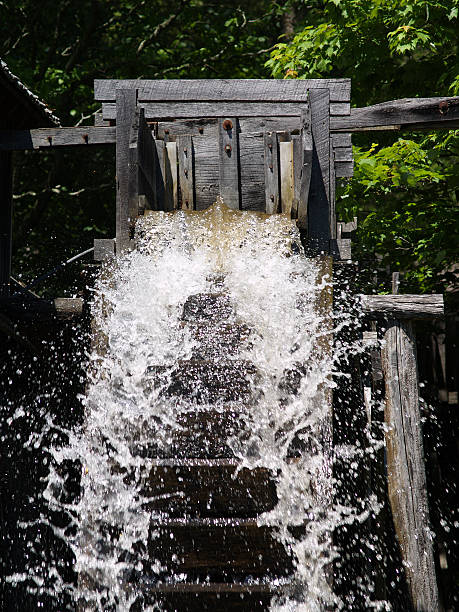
{"x":297,"y":169}
{"x":147,"y":165}
{"x":287,"y":190}
{"x":6,"y":217}
{"x":209,"y":126}
{"x":408,"y":113}
{"x":406,"y":306}
{"x":104,"y":248}
{"x":341,"y":249}
{"x":341,"y":139}
{"x":171,"y":148}
{"x":346,"y":230}
{"x":405,"y":465}
{"x":224,"y":89}
{"x":332,"y":196}
{"x":228,"y":150}
{"x":271,"y":153}
{"x":319,"y":194}
{"x":307,"y":147}
{"x":48,"y":138}
{"x":185,"y":154}
{"x":344,"y":169}
{"x":27,"y":309}
{"x":126,"y":108}
{"x":343,"y":154}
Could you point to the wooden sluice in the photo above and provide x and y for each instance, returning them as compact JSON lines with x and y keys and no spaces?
{"x":269,"y":146}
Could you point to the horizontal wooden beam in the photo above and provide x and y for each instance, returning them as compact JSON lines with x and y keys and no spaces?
{"x":408,"y":306}
{"x":192,"y":109}
{"x":49,"y":138}
{"x":26,"y":309}
{"x":213,"y":90}
{"x":404,"y":114}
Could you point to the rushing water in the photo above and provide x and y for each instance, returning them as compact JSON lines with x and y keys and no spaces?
{"x":282,"y":298}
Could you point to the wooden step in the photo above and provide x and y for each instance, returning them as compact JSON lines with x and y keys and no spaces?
{"x":212,"y":596}
{"x":219,"y":550}
{"x":208,"y":306}
{"x":203,"y":382}
{"x":209,"y":488}
{"x":202,"y":433}
{"x":219,"y":340}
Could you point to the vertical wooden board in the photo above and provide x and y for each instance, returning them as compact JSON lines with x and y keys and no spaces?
{"x":172,"y":161}
{"x":228,"y":151}
{"x":319,"y":193}
{"x":148,"y":165}
{"x":405,"y":464}
{"x":186,"y":171}
{"x":126,"y":100}
{"x":271,"y":162}
{"x":286,"y":176}
{"x":6,"y":218}
{"x":332,"y":197}
{"x":304,"y":162}
{"x":297,"y":166}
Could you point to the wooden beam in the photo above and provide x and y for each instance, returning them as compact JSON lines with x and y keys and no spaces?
{"x":6,"y":219}
{"x":228,"y":153}
{"x":50,"y":138}
{"x":191,"y":109}
{"x":287,"y":188}
{"x":240,"y":90}
{"x":406,"y":306}
{"x":405,"y":465}
{"x":305,"y":162}
{"x":185,"y":154}
{"x":271,"y":160}
{"x":26,"y":309}
{"x":404,"y":114}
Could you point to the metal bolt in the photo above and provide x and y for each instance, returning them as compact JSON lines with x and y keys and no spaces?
{"x":228,"y":148}
{"x":50,"y":139}
{"x":270,"y":146}
{"x":186,"y":172}
{"x":272,"y":198}
{"x":185,"y":150}
{"x":270,"y":166}
{"x":443,"y":106}
{"x":85,"y":138}
{"x":201,"y":130}
{"x":227,"y":125}
{"x":166,"y":131}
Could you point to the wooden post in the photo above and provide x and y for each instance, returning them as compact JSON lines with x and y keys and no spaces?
{"x":319,"y":196}
{"x":271,"y":172}
{"x":405,"y":465}
{"x":287,"y":190}
{"x":228,"y":151}
{"x":185,"y":155}
{"x":6,"y":217}
{"x":126,"y":101}
{"x":305,"y":163}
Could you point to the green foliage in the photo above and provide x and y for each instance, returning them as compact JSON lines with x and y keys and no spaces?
{"x":404,"y":192}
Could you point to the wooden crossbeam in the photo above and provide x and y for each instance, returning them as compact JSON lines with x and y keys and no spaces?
{"x":28,"y":309}
{"x":406,"y":114}
{"x":408,"y":306}
{"x":49,"y":138}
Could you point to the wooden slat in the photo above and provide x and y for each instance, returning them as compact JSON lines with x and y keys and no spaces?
{"x":185,"y":154}
{"x":340,"y":109}
{"x":343,"y":154}
{"x":319,"y":204}
{"x":297,"y":168}
{"x":405,"y":465}
{"x":147,"y":162}
{"x":6,"y":218}
{"x":173,"y":165}
{"x":332,"y":198}
{"x":406,"y":306}
{"x":344,"y":169}
{"x":228,"y":147}
{"x":224,"y":89}
{"x":307,"y":147}
{"x":341,"y":139}
{"x":209,"y":126}
{"x":126,"y":108}
{"x":287,"y":190}
{"x":49,"y":138}
{"x":408,"y":113}
{"x":271,"y":153}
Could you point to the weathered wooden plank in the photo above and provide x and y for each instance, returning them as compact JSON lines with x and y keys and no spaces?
{"x":341,"y":139}
{"x":287,"y":190}
{"x":104,"y":248}
{"x":6,"y":218}
{"x":346,"y":230}
{"x":228,"y":147}
{"x":125,"y":107}
{"x":340,"y":108}
{"x":209,"y":126}
{"x":332,"y":199}
{"x":344,"y":169}
{"x":224,"y":89}
{"x":27,"y":309}
{"x":405,"y":465}
{"x":319,"y":194}
{"x":343,"y":154}
{"x":148,"y":165}
{"x":406,"y":306}
{"x":47,"y":138}
{"x":183,"y":110}
{"x":297,"y":169}
{"x":341,"y":249}
{"x":407,"y":113}
{"x":271,"y":153}
{"x":171,"y":148}
{"x":307,"y":147}
{"x":185,"y":154}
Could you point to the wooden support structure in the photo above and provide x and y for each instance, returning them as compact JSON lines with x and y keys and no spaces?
{"x":405,"y":465}
{"x":406,"y":306}
{"x":228,"y":155}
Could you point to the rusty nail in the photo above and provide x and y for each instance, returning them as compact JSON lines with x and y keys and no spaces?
{"x":50,"y":139}
{"x":272,"y":198}
{"x":186,"y":172}
{"x":185,"y":150}
{"x":270,"y":146}
{"x":186,"y":202}
{"x":85,"y":138}
{"x":201,"y":130}
{"x":443,"y":106}
{"x":228,"y":148}
{"x":166,"y":131}
{"x":227,"y":125}
{"x":270,"y":166}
